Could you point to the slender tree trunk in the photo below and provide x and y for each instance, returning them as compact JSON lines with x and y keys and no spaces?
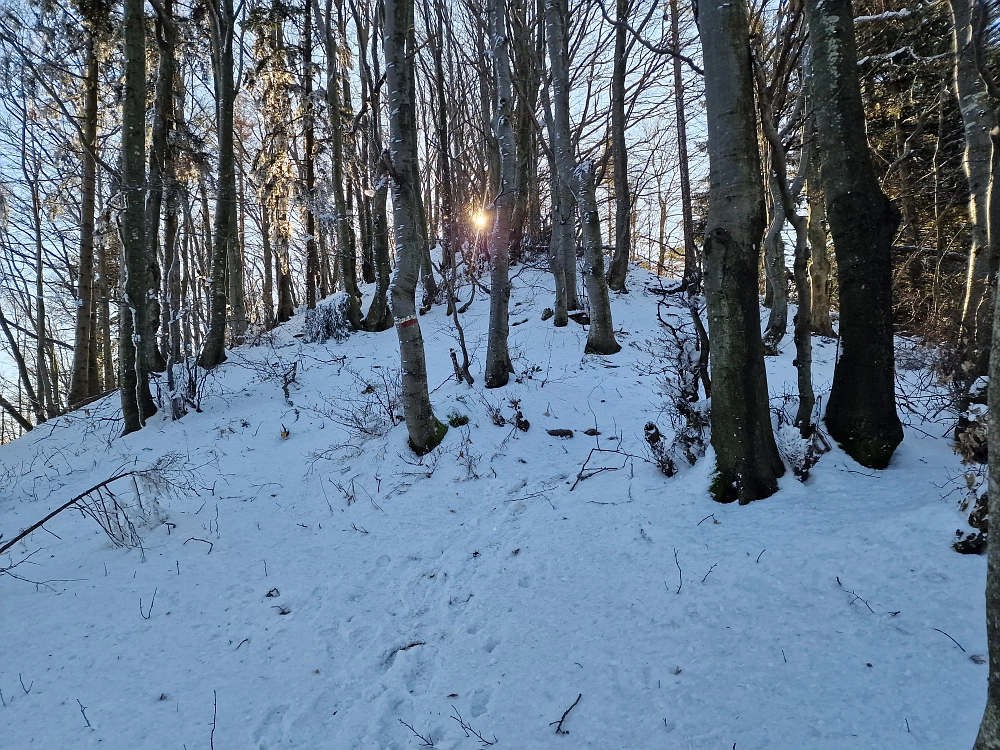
{"x":347,"y":251}
{"x":163,"y":112}
{"x":213,"y":351}
{"x":308,"y":138}
{"x":777,"y":273}
{"x":747,"y":461}
{"x":137,"y":403}
{"x":425,"y":431}
{"x":81,"y":385}
{"x":989,"y":729}
{"x":861,"y":411}
{"x":820,"y":267}
{"x":692,"y":263}
{"x":498,"y":366}
{"x":379,"y":317}
{"x":979,"y":119}
{"x":618,"y":270}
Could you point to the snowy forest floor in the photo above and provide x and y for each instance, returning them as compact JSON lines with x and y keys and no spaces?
{"x":319,"y":590}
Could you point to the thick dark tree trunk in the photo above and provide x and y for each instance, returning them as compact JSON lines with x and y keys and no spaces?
{"x":747,"y":461}
{"x":137,"y":403}
{"x":861,"y":411}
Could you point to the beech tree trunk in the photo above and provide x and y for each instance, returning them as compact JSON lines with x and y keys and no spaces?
{"x":84,"y":382}
{"x":979,"y":119}
{"x":224,"y":230}
{"x":498,"y":366}
{"x":820,"y":267}
{"x":747,"y":461}
{"x":580,"y":180}
{"x":861,"y":411}
{"x":137,"y":403}
{"x":618,"y":270}
{"x":425,"y":431}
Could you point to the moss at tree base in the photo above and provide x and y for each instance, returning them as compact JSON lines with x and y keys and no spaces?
{"x":440,"y":430}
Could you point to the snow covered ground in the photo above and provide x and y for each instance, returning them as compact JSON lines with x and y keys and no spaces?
{"x":318,"y":590}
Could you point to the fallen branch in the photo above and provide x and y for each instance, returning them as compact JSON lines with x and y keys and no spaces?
{"x":559,"y":729}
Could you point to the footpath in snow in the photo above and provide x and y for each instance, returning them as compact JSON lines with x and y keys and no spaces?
{"x":309,"y":583}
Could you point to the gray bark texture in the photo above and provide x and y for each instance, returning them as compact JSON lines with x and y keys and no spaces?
{"x":747,"y":461}
{"x":580,"y":180}
{"x":978,"y":120}
{"x":989,"y":729}
{"x":861,"y":410}
{"x":425,"y":431}
{"x":820,"y":267}
{"x":498,"y":366}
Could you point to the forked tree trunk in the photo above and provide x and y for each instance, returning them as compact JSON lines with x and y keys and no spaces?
{"x":580,"y":180}
{"x":498,"y":366}
{"x":747,"y":461}
{"x":425,"y":431}
{"x":861,"y":411}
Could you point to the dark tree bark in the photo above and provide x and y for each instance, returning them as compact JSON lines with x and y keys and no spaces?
{"x":137,"y":403}
{"x":861,"y":411}
{"x":618,"y":270}
{"x":224,"y":230}
{"x":83,"y":383}
{"x":747,"y":461}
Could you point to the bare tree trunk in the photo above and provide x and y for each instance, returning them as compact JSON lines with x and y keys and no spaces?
{"x":692,"y":263}
{"x":861,"y":411}
{"x":498,"y":366}
{"x":579,"y":179}
{"x":618,"y":270}
{"x":309,"y":157}
{"x":777,"y":273}
{"x":979,"y":119}
{"x":820,"y":267}
{"x":222,"y":25}
{"x":347,"y":251}
{"x":137,"y":403}
{"x":747,"y":461}
{"x":425,"y":431}
{"x":379,"y":317}
{"x":84,"y":367}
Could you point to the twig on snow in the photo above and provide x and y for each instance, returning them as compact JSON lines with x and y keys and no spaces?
{"x":948,"y":636}
{"x":559,"y":729}
{"x":470,"y":732}
{"x":83,"y":710}
{"x":425,"y":741}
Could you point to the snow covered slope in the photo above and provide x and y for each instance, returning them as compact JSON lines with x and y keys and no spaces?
{"x":319,"y":590}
